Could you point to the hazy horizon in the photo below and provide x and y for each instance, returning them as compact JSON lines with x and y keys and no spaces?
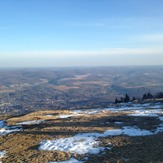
{"x":81,"y":33}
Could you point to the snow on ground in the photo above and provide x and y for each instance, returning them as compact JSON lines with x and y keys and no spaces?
{"x":139,"y":109}
{"x":62,"y":116}
{"x":80,"y":112}
{"x":4,"y":129}
{"x":148,"y":113}
{"x":89,"y":143}
{"x":49,"y":115}
{"x":136,"y":109}
{"x":2,"y":124}
{"x":155,"y":107}
{"x":127,"y":130}
{"x":161,"y":118}
{"x":2,"y":154}
{"x":118,"y":123}
{"x":72,"y":160}
{"x":8,"y":129}
{"x":133,"y":107}
{"x":134,"y":131}
{"x":159,"y":128}
{"x":142,"y":105}
{"x":31,"y":122}
{"x":80,"y":143}
{"x":87,"y":111}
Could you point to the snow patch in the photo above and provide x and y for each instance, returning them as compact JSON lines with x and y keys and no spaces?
{"x":62,"y":116}
{"x":80,"y":143}
{"x":161,"y":118}
{"x":130,"y":107}
{"x":134,"y":131}
{"x":159,"y":128}
{"x":31,"y":122}
{"x":142,"y":105}
{"x":87,"y":111}
{"x":137,"y":109}
{"x":88,"y":142}
{"x":72,"y":160}
{"x":2,"y":154}
{"x":118,"y":123}
{"x":80,"y":112}
{"x":148,"y":113}
{"x":8,"y":129}
{"x":155,"y":107}
{"x":2,"y":124}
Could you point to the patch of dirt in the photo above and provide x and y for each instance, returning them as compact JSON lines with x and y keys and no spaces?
{"x":131,"y":149}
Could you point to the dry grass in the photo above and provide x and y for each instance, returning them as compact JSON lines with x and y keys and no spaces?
{"x":40,"y":115}
{"x":23,"y":146}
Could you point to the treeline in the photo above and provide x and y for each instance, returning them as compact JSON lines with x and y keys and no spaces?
{"x":145,"y":96}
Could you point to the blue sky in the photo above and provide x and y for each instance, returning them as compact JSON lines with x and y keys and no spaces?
{"x":38,"y":33}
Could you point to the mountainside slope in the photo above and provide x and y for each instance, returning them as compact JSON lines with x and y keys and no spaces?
{"x":128,"y":132}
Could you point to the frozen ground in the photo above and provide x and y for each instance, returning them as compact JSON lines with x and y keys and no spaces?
{"x":31,"y":122}
{"x":147,"y":112}
{"x":62,"y":116}
{"x":136,"y":109}
{"x":80,"y":112}
{"x":72,"y":160}
{"x":2,"y":154}
{"x":161,"y":118}
{"x":2,"y":124}
{"x":89,"y":143}
{"x":89,"y":112}
{"x":80,"y":143}
{"x":4,"y":129}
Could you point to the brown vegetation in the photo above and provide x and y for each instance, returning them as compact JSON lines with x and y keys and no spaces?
{"x":23,"y":146}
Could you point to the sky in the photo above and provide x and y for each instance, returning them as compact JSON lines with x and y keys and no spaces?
{"x":56,"y":33}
